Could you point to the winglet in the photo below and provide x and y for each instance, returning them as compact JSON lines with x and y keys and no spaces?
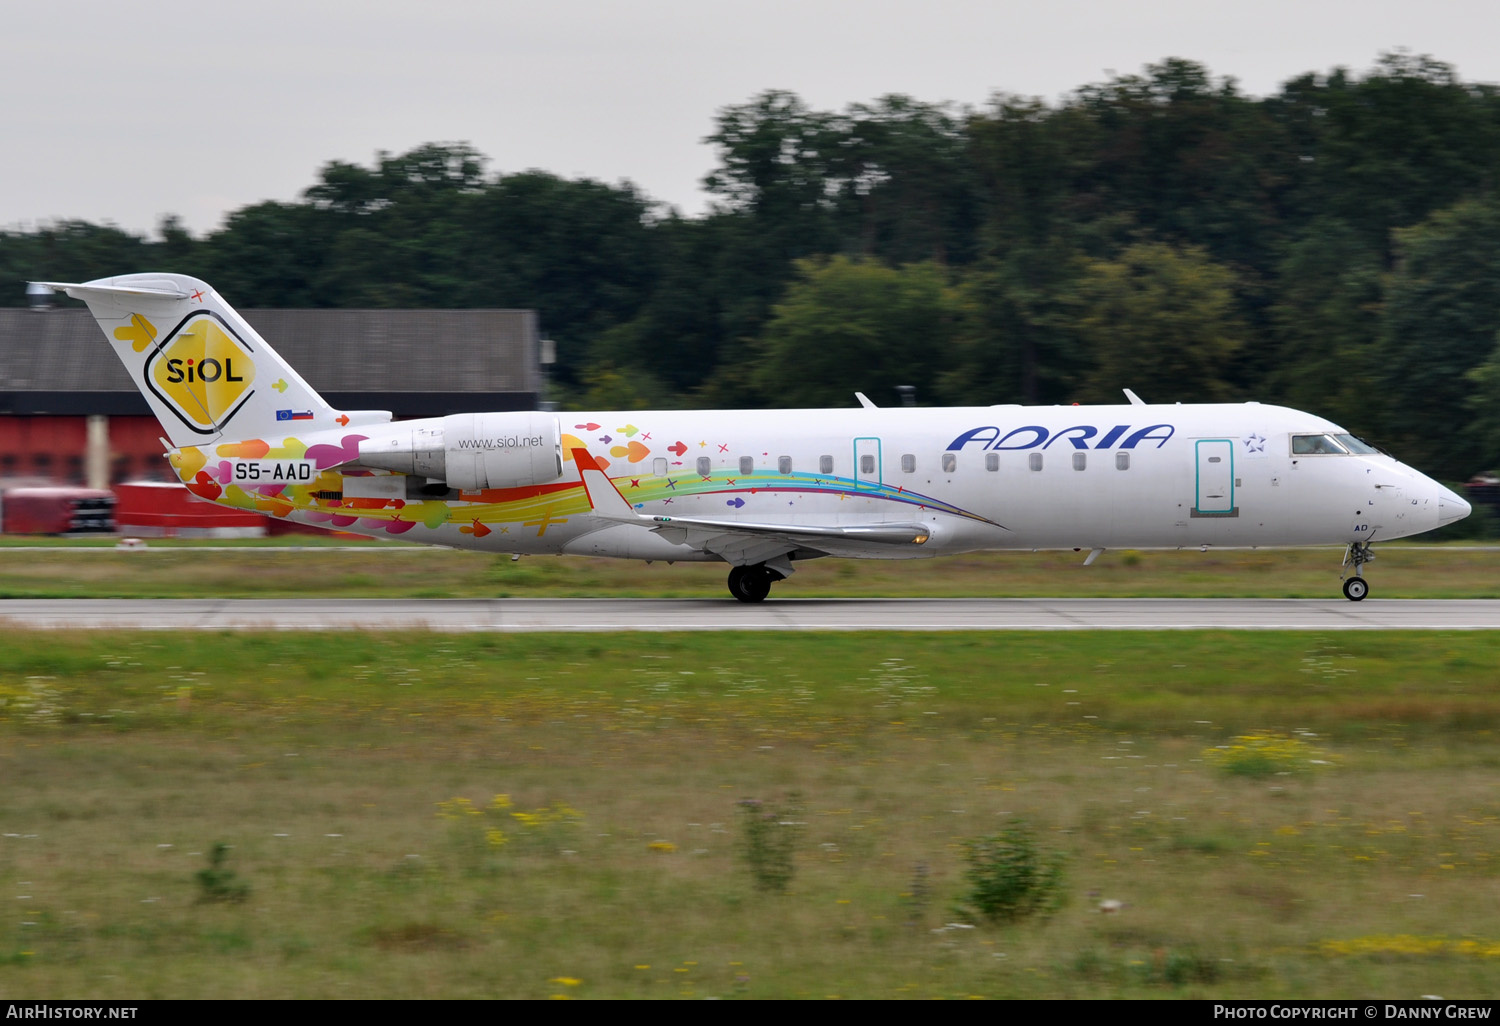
{"x":584,"y":460}
{"x":604,"y":497}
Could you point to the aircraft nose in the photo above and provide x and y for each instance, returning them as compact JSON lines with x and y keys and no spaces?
{"x":1450,"y":507}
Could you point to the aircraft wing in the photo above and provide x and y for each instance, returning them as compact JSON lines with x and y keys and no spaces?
{"x":743,"y":542}
{"x":755,"y":543}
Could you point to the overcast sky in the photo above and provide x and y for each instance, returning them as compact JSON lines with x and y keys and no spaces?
{"x":124,"y":112}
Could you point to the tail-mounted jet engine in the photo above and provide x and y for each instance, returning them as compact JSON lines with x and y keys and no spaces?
{"x":470,"y":451}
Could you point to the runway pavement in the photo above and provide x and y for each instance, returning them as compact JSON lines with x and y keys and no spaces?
{"x":530,"y":615}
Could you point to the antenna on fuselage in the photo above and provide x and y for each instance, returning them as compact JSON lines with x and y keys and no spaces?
{"x":864,"y":401}
{"x":1135,"y":400}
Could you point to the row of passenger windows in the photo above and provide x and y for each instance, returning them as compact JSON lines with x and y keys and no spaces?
{"x":1080,"y":460}
{"x":1034,"y":461}
{"x":747,"y":465}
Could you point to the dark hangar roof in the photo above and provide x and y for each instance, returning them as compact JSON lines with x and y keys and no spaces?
{"x":414,"y":362}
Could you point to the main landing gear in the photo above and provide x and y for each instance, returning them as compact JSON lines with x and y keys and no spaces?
{"x":752,"y":583}
{"x":1358,"y":554}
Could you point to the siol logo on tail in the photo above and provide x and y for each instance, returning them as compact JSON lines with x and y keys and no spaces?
{"x":202,"y":371}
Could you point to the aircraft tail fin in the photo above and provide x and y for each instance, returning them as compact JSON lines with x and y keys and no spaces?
{"x":203,"y":369}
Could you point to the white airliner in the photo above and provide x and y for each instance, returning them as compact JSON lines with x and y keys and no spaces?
{"x":757,"y":489}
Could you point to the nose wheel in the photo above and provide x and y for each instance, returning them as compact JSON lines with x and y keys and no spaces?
{"x":1357,"y":555}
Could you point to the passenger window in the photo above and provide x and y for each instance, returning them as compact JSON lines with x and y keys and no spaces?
{"x":784,"y":464}
{"x":747,"y":465}
{"x":1034,"y":460}
{"x":705,"y":466}
{"x":659,"y":466}
{"x":1080,"y":460}
{"x":867,"y":464}
{"x":1122,"y":461}
{"x":992,"y":461}
{"x":950,"y":462}
{"x":908,"y":463}
{"x":825,"y":464}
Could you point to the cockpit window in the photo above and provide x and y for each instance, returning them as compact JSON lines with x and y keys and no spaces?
{"x":1317,"y":445}
{"x":1358,"y":446}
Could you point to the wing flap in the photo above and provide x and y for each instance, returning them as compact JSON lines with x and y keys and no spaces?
{"x":865,"y":534}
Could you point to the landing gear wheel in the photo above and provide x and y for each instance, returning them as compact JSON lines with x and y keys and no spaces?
{"x":1357,"y":555}
{"x":751,"y":583}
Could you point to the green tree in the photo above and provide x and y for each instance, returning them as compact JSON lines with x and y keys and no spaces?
{"x":1442,"y":315}
{"x":607,"y":387}
{"x":1385,"y":151}
{"x":1029,"y":162}
{"x":702,"y":302}
{"x":428,"y":228}
{"x":905,"y":187}
{"x":395,"y":232}
{"x":1484,"y":406}
{"x":1326,"y":317}
{"x":777,"y":162}
{"x":581,"y":252}
{"x":66,"y":251}
{"x":778,"y":189}
{"x":428,"y":175}
{"x":269,"y":254}
{"x":1161,"y":321}
{"x":1185,"y":158}
{"x":1021,"y":342}
{"x":851,"y":325}
{"x":177,"y":247}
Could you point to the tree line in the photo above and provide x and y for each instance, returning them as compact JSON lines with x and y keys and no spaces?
{"x":1334,"y":247}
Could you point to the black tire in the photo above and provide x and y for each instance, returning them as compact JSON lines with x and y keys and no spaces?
{"x":750,"y":583}
{"x":1355,"y":589}
{"x":757,"y":584}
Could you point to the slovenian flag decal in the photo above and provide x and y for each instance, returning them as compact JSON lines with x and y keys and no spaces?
{"x":294,"y":415}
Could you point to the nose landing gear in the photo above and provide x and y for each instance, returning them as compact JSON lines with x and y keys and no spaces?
{"x":1357,"y":555}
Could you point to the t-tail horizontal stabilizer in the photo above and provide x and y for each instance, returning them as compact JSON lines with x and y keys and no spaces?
{"x":204,"y":371}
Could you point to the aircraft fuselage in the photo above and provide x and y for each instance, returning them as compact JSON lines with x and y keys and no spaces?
{"x":1004,"y":477}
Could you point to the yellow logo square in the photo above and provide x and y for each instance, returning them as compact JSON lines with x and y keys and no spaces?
{"x":203,"y":372}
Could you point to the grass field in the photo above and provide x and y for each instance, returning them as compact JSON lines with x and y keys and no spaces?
{"x":1350,"y":848}
{"x":373,"y":570}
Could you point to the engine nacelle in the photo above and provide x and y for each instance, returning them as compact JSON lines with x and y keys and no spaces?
{"x":470,"y":451}
{"x":501,"y":450}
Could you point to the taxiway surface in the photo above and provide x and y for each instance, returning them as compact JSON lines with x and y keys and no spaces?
{"x":586,"y":615}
